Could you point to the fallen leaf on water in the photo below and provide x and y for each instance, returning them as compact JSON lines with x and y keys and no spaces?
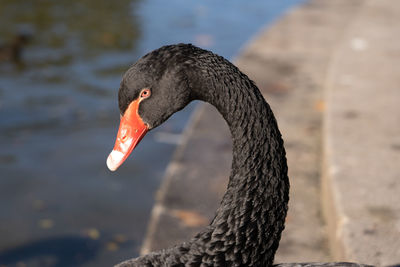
{"x":93,"y":233}
{"x":112,"y":246}
{"x":46,"y":223}
{"x":119,"y":238}
{"x":190,"y":218}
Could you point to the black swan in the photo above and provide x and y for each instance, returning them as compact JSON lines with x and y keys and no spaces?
{"x":247,"y":226}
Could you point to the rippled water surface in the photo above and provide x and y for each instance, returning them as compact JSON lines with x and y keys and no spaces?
{"x":60,"y":206}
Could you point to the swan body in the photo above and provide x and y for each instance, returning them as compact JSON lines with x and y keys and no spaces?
{"x":247,"y":227}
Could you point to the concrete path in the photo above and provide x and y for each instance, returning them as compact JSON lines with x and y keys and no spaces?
{"x":362,"y":137}
{"x":330,"y":71}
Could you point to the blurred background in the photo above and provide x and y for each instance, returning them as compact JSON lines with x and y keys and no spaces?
{"x":60,"y":67}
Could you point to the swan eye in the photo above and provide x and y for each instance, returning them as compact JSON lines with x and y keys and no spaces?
{"x":145,"y":93}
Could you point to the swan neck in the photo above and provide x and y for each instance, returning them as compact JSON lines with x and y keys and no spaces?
{"x":253,"y":210}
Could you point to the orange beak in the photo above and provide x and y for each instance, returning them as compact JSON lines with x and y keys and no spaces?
{"x":131,"y":131}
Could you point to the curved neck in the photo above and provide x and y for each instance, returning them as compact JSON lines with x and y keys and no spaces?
{"x":251,"y":217}
{"x":248,"y":224}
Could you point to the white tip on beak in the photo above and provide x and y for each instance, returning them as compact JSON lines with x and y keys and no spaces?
{"x":114,"y":160}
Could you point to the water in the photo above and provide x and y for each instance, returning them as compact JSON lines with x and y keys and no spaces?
{"x":60,"y":206}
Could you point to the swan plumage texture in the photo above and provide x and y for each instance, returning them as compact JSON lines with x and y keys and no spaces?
{"x":247,"y":227}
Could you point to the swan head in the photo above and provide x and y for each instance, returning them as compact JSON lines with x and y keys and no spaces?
{"x":154,"y":88}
